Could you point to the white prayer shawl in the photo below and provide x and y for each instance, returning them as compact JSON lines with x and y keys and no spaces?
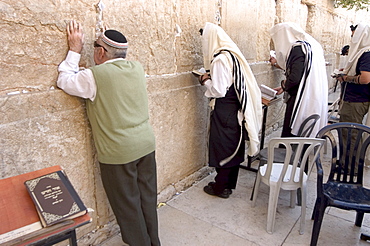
{"x":360,"y":43}
{"x":216,"y":40}
{"x":313,"y":93}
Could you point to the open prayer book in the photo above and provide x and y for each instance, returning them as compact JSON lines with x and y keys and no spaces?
{"x":337,"y":73}
{"x":267,"y":92}
{"x":199,"y":72}
{"x":273,"y":53}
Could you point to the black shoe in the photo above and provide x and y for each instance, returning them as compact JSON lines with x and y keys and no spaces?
{"x":209,"y":190}
{"x":213,"y":183}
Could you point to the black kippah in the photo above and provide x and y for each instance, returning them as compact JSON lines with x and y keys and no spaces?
{"x":115,"y":39}
{"x":116,"y":36}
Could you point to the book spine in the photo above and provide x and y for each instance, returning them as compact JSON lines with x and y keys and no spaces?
{"x":71,"y":190}
{"x":30,"y":184}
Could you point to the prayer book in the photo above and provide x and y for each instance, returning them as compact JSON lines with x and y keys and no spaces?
{"x":337,"y":73}
{"x":199,"y":72}
{"x":267,"y":93}
{"x":55,"y":198}
{"x":273,"y":53}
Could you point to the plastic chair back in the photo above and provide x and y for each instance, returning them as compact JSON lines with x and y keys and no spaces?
{"x":348,"y":143}
{"x":305,"y":130}
{"x":307,"y":126}
{"x":297,"y":155}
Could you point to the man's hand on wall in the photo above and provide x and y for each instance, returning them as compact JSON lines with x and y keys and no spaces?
{"x":75,"y":36}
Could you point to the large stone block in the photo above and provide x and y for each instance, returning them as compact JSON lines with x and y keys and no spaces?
{"x":179,"y":117}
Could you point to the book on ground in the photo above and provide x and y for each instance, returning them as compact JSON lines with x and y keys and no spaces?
{"x":55,"y":198}
{"x":267,"y":92}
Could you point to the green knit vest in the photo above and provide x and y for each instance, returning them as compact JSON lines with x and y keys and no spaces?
{"x":119,"y":115}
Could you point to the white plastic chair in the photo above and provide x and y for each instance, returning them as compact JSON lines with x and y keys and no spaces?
{"x":287,"y":176}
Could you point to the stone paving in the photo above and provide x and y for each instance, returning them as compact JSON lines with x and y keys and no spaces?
{"x":194,"y":218}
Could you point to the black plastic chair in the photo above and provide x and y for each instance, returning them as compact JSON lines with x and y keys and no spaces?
{"x":305,"y":130}
{"x":344,"y":187}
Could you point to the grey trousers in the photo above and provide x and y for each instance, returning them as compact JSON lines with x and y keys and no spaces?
{"x":353,"y":111}
{"x":131,"y":189}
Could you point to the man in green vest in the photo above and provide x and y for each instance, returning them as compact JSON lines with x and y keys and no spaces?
{"x":117,"y":108}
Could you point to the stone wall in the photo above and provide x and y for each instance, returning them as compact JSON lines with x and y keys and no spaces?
{"x":41,"y":126}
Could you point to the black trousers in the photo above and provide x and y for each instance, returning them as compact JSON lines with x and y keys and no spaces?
{"x":287,"y":130}
{"x":226,"y":178}
{"x":131,"y":189}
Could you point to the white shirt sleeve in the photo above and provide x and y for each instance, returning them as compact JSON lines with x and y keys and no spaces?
{"x":76,"y":82}
{"x":221,"y":78}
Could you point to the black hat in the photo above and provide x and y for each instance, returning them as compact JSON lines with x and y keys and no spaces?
{"x":115,"y":39}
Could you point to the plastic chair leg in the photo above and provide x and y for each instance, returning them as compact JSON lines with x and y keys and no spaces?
{"x":303,"y":209}
{"x":255,"y":189}
{"x":271,"y":213}
{"x":318,"y":218}
{"x":299,"y":197}
{"x":314,"y":210}
{"x":254,"y":186}
{"x":292,"y":198}
{"x":359,"y":218}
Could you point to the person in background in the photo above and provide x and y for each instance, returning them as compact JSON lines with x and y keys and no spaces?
{"x":236,"y":108}
{"x":355,"y":83}
{"x":306,"y":84}
{"x":117,"y":108}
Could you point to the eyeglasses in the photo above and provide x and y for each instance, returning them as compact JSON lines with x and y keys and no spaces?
{"x":98,"y":45}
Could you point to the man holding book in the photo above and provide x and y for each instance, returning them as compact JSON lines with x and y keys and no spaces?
{"x":306,"y":85}
{"x":355,"y":95}
{"x":117,"y":107}
{"x":236,"y":108}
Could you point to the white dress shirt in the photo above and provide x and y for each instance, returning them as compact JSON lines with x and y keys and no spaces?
{"x":221,"y":78}
{"x":77,"y":82}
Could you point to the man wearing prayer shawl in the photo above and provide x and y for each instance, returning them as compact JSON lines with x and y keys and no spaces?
{"x":237,"y":109}
{"x":306,"y":84}
{"x":356,"y":88}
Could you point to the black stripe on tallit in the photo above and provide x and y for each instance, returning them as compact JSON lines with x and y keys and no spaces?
{"x":239,"y":80}
{"x":307,"y":69}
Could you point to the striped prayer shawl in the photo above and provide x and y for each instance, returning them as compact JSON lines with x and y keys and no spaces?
{"x":306,"y":48}
{"x":240,"y":88}
{"x":239,"y":81}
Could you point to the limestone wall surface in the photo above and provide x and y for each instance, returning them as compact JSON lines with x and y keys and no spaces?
{"x":41,"y":126}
